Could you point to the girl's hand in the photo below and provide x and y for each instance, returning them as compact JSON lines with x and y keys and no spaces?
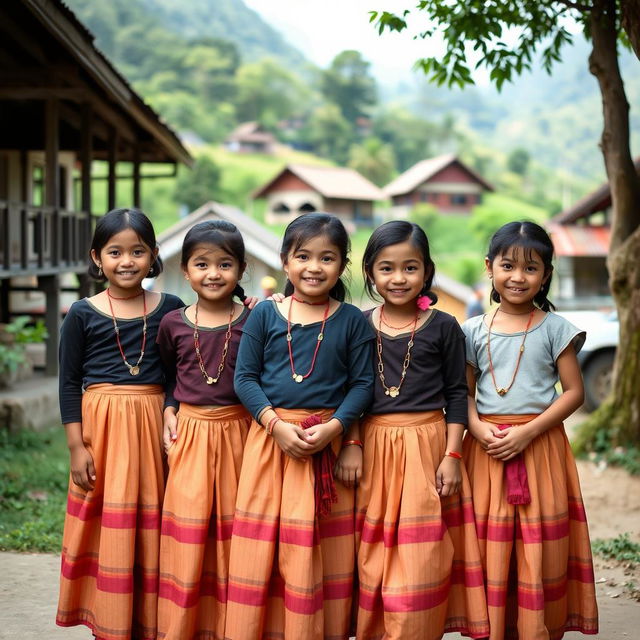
{"x":514,"y":440}
{"x":448,"y":477}
{"x":251,"y":302}
{"x":83,"y":472}
{"x":277,"y":297}
{"x":291,"y":439}
{"x":348,"y":467}
{"x":170,"y":429}
{"x":320,"y":435}
{"x":485,"y":433}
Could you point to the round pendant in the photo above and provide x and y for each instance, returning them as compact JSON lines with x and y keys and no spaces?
{"x":210,"y":380}
{"x":298,"y":378}
{"x":394,"y":392}
{"x":320,"y":336}
{"x":501,"y":391}
{"x":134,"y":370}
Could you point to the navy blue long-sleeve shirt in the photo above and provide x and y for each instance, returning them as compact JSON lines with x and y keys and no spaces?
{"x":342,"y":378}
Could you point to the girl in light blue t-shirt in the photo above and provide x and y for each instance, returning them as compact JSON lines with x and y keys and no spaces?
{"x":528,"y":506}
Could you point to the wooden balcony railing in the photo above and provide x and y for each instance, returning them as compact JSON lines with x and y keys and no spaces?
{"x":42,"y":240}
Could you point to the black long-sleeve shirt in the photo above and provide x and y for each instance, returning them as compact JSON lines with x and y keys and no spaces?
{"x":89,"y":352}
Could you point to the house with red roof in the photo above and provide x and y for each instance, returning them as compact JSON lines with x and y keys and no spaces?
{"x":581,"y":237}
{"x":445,"y":182}
{"x":250,"y":137}
{"x":298,"y":189}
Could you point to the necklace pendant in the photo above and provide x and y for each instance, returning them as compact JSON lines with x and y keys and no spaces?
{"x":320,"y":336}
{"x":210,"y":380}
{"x":298,"y":377}
{"x":134,"y":370}
{"x":501,"y":391}
{"x":394,"y":392}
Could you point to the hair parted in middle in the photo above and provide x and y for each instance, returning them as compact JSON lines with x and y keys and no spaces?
{"x":309,"y":226}
{"x":396,"y":232}
{"x":216,"y":233}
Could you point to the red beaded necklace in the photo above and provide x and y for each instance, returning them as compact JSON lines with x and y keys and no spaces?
{"x":298,"y":377}
{"x":134,"y":369}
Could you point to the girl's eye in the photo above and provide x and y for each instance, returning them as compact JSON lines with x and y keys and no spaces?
{"x":302,"y":256}
{"x":328,"y":259}
{"x":200,"y":265}
{"x":385,"y":269}
{"x":412,"y":268}
{"x":113,"y":252}
{"x":506,"y":266}
{"x":226,"y":265}
{"x":139,"y":252}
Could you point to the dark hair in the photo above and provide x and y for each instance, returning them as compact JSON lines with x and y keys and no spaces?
{"x":528,"y":236}
{"x":118,"y":220}
{"x":218,"y":233}
{"x":311,"y":225}
{"x":396,"y":232}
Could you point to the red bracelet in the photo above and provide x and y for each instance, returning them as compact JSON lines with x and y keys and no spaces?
{"x":454,"y":454}
{"x":347,"y":443}
{"x":271,"y":424}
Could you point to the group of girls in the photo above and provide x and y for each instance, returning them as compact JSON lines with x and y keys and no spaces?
{"x":317,"y":484}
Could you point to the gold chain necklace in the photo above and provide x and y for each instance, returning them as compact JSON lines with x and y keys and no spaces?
{"x":134,"y":369}
{"x":502,"y":390}
{"x":394,"y":392}
{"x":196,"y":343}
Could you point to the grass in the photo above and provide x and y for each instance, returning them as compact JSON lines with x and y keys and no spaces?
{"x":620,"y":548}
{"x":34,"y":471}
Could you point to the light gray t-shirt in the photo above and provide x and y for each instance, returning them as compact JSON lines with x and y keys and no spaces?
{"x":534,"y":387}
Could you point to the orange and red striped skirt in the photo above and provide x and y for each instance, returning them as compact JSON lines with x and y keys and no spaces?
{"x":536,"y":556}
{"x":419,"y":563}
{"x":110,"y":546}
{"x":197,"y":518}
{"x":291,"y":573}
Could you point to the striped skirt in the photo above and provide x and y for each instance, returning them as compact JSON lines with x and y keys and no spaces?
{"x":418,"y":559}
{"x":291,"y":573}
{"x":536,"y":556}
{"x":197,"y":517}
{"x":110,"y":545}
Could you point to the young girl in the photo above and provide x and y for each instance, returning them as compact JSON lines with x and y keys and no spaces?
{"x":199,"y":346}
{"x":418,"y":559}
{"x":528,"y":507}
{"x":110,"y":546}
{"x":291,"y":567}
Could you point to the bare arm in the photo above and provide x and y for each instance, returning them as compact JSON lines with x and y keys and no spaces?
{"x":83,"y":472}
{"x":484,"y":432}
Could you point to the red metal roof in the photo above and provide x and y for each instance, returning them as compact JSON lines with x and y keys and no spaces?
{"x":574,"y":240}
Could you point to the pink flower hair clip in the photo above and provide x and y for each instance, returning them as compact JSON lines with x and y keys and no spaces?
{"x":423,"y":302}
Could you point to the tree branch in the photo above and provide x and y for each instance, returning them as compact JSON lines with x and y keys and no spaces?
{"x":630,"y":10}
{"x":578,"y":6}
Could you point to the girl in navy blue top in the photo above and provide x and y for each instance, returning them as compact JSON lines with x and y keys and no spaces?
{"x":111,"y":401}
{"x":304,"y":372}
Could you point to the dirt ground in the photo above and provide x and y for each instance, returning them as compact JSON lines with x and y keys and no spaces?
{"x":29,"y":582}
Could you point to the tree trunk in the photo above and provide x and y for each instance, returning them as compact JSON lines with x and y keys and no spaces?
{"x":622,"y":410}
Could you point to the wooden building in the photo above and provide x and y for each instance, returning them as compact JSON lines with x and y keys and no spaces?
{"x":262,"y":250}
{"x":62,"y":106}
{"x":250,"y":137}
{"x":300,"y":189}
{"x":444,"y":182}
{"x":581,"y":237}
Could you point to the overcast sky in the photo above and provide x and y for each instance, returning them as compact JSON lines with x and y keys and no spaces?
{"x":323,"y":28}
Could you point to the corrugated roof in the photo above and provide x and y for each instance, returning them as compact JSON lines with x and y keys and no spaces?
{"x":580,"y":240}
{"x":419,"y":173}
{"x":596,"y":201}
{"x":454,"y":288}
{"x":330,"y":182}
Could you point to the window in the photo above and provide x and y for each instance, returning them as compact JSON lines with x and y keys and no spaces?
{"x":458,"y":198}
{"x":281,"y":207}
{"x":307,"y":207}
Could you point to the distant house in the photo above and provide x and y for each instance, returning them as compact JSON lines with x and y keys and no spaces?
{"x":261,"y":246}
{"x":444,"y":181}
{"x":62,"y":106}
{"x":250,"y":137}
{"x":453,"y":296}
{"x":581,"y":236}
{"x":300,"y":189}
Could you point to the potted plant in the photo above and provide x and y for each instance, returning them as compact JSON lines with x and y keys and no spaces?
{"x":14,"y":338}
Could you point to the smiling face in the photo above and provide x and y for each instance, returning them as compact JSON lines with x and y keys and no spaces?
{"x":125,"y":259}
{"x":314,"y":268}
{"x":213,"y":272}
{"x":518,"y":276}
{"x":398,"y":273}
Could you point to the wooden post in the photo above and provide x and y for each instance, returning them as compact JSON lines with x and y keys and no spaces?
{"x":50,"y":285}
{"x":136,"y":176}
{"x":86,"y":154}
{"x":113,"y":159}
{"x":52,"y":176}
{"x":5,"y":290}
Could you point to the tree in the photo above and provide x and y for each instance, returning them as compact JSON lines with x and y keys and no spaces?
{"x":541,"y":28}
{"x":374,"y":160}
{"x":328,"y":132}
{"x":348,"y":83}
{"x":199,"y":185}
{"x":518,"y":161}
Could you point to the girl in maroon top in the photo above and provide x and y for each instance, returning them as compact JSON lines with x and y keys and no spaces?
{"x":204,"y":437}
